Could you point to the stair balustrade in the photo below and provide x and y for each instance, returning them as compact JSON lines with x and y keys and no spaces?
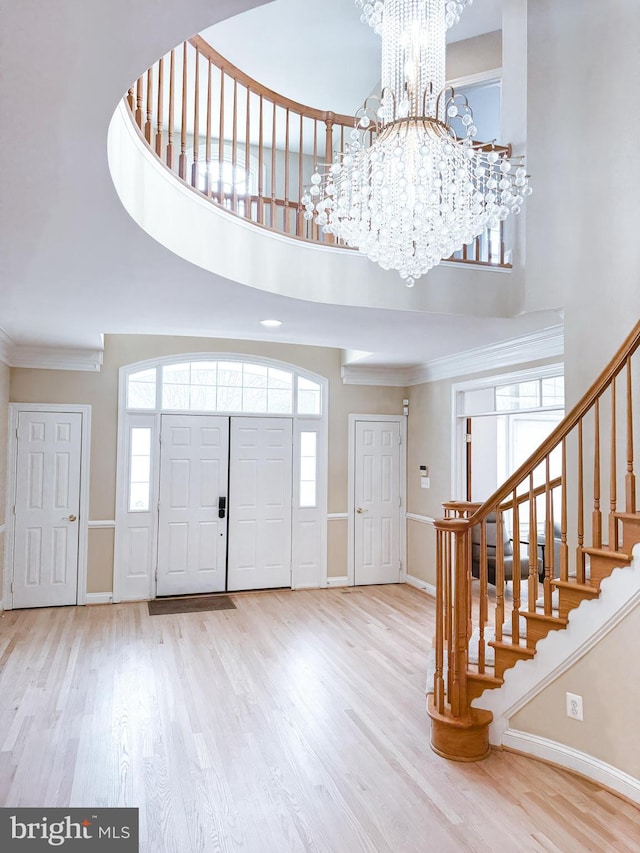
{"x":511,"y":569}
{"x":248,"y":149}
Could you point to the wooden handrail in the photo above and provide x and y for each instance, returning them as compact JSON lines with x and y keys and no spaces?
{"x":258,"y":88}
{"x":534,"y":555}
{"x":251,"y":122}
{"x":615,"y":366}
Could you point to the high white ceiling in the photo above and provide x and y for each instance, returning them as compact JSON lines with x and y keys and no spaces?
{"x":319,"y":53}
{"x":73,"y":265}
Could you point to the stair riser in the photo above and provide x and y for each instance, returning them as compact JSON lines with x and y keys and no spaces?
{"x":539,"y":630}
{"x":572,"y":598}
{"x":506,"y":658}
{"x":630,"y":534}
{"x":601,"y":568}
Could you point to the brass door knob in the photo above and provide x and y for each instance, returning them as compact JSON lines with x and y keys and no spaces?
{"x":360,"y":509}
{"x":71,"y":518}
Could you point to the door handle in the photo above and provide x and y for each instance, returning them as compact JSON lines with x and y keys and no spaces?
{"x":360,"y":510}
{"x":70,"y":518}
{"x":222,"y":507}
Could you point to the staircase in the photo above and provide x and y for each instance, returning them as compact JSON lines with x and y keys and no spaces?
{"x":540,"y":566}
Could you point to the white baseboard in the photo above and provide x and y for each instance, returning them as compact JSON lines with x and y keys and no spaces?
{"x":572,"y":759}
{"x":341,"y":581}
{"x":98,"y":598}
{"x":423,"y":586}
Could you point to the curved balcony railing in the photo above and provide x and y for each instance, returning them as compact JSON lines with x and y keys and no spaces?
{"x":247,"y":148}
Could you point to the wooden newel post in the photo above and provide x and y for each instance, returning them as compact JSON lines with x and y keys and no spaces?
{"x":458,"y":732}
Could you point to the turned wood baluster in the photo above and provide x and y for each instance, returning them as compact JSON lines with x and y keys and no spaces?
{"x":234,"y":150}
{"x":196,"y":124}
{"x":564,"y":548}
{"x":517,"y":587}
{"x":580,"y":564}
{"x":159,"y":116}
{"x":172,"y":70}
{"x":139,"y":101}
{"x":438,"y":681}
{"x":533,"y":547}
{"x":207,"y":141}
{"x":499,"y":575}
{"x":328,"y":157}
{"x":314,"y":227}
{"x":148,"y":125}
{"x":285,"y":209}
{"x":261,"y":161}
{"x":220,"y":182}
{"x":273,"y":168}
{"x":248,"y":212}
{"x":300,"y":209}
{"x":484,"y":606}
{"x":613,"y":496}
{"x":131,"y":99}
{"x":458,"y":663}
{"x":596,"y":523}
{"x":182,"y":160}
{"x":630,"y":479}
{"x":548,"y":549}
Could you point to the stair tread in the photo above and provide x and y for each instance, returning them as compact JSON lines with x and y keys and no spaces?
{"x":543,"y":617}
{"x":579,"y":587}
{"x":628,"y":516}
{"x":607,"y":554}
{"x":523,"y":650}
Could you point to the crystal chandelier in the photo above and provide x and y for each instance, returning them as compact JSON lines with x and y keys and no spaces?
{"x":408,"y":191}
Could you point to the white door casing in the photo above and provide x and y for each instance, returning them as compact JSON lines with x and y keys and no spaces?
{"x":260,"y":493}
{"x":377,"y":502}
{"x":46,"y":532}
{"x":192,"y":538}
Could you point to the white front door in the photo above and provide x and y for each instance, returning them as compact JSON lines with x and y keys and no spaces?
{"x":47,"y":506}
{"x":260,"y":503}
{"x":377,"y":502}
{"x":192,"y":523}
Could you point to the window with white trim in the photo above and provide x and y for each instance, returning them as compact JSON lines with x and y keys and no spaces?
{"x":308,"y":468}
{"x":139,"y":469}
{"x":224,"y":386}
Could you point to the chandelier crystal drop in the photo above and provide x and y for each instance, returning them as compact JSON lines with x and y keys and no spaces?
{"x":407,"y":190}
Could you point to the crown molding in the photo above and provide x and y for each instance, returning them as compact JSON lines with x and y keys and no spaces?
{"x":48,"y":358}
{"x":547,"y":343}
{"x":353,"y":374}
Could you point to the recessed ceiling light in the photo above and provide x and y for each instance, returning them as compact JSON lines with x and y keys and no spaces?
{"x":271,"y":324}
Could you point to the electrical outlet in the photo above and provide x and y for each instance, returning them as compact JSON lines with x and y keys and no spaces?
{"x":574,"y":706}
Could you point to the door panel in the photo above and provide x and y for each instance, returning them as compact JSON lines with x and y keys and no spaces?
{"x":260,"y":503}
{"x":377,"y":502}
{"x":45,"y":571}
{"x":192,"y":539}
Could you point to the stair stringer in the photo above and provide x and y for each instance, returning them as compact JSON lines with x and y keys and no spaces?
{"x":559,"y":650}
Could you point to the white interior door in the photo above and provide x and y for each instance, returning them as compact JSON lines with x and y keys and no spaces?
{"x":47,"y":506}
{"x":377,"y":502}
{"x":192,"y":537}
{"x":260,"y":503}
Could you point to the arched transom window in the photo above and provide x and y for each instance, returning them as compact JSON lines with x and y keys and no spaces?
{"x":229,"y":386}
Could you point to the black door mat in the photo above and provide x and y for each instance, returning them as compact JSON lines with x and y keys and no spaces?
{"x":193,"y":604}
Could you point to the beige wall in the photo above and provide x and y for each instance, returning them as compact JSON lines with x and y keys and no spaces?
{"x":472,"y":56}
{"x":607,"y":679}
{"x":100,"y":390}
{"x":337,"y":548}
{"x":429,"y":442}
{"x":583,"y":253}
{"x":4,"y":416}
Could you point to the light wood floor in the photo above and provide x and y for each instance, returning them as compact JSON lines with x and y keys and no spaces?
{"x":295,"y":723}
